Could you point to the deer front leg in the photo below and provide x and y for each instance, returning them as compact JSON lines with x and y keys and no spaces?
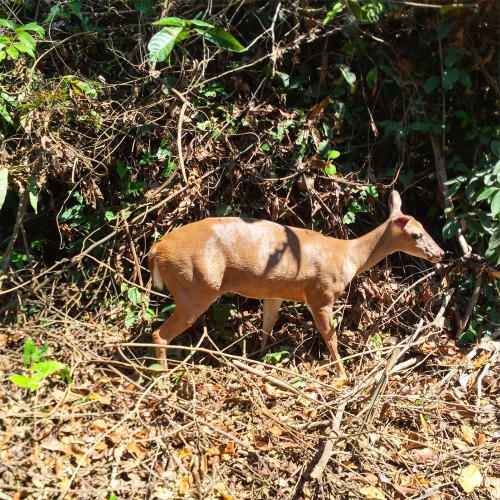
{"x":324,"y":323}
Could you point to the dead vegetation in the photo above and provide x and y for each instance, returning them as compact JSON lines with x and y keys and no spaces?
{"x":122,"y":150}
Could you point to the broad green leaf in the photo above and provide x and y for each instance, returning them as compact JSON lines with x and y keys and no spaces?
{"x":202,"y":24}
{"x":495,"y":148}
{"x":172,"y":21}
{"x":47,"y":368}
{"x":7,"y":23}
{"x":162,"y":44}
{"x":4,"y":183}
{"x":222,"y":39}
{"x":25,"y":49}
{"x":333,"y":154}
{"x":330,"y":170}
{"x":26,"y":382}
{"x":450,"y":77}
{"x":134,"y":295}
{"x":495,"y":204}
{"x":12,"y":52}
{"x":33,"y":192}
{"x":31,"y":27}
{"x":145,"y":7}
{"x":156,"y":366}
{"x":349,"y":76}
{"x":487,"y":193}
{"x":27,"y":39}
{"x":431,"y":84}
{"x":450,"y":229}
{"x":494,"y":240}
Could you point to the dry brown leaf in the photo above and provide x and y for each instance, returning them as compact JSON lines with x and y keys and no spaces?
{"x":213,"y":451}
{"x":184,"y":486}
{"x":493,"y":485}
{"x":371,"y":492}
{"x":221,"y":489}
{"x":424,"y":454}
{"x":470,"y":478}
{"x":481,"y":439}
{"x":423,"y":423}
{"x":114,"y":438}
{"x":459,"y":444}
{"x":468,"y":434}
{"x":275,"y":431}
{"x":137,"y":449}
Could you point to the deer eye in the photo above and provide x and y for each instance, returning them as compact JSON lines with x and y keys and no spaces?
{"x":416,"y":236}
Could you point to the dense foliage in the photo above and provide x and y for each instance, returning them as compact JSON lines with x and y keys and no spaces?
{"x":115,"y":129}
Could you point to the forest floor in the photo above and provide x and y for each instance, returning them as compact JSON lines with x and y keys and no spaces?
{"x":418,"y":417}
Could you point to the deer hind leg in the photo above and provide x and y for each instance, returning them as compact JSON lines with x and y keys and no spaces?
{"x":324,"y":323}
{"x":184,"y":315}
{"x":269,"y":316}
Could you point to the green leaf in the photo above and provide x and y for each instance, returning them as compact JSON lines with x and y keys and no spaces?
{"x":336,"y":8}
{"x":222,"y":39}
{"x":330,"y":170}
{"x":487,"y":193}
{"x":333,"y":154}
{"x":12,"y":52}
{"x":495,"y":204}
{"x":30,"y":352}
{"x":4,"y":184}
{"x":450,"y":77}
{"x":31,"y":27}
{"x":450,"y":229}
{"x":202,"y":24}
{"x":223,"y":312}
{"x":47,"y":368}
{"x":349,"y":76}
{"x":495,"y":147}
{"x":26,"y":39}
{"x":172,"y":21}
{"x":134,"y":295}
{"x":7,"y":23}
{"x":145,"y":7}
{"x":33,"y":192}
{"x":25,"y":49}
{"x":156,"y":366}
{"x":161,"y":45}
{"x":431,"y":84}
{"x":26,"y":382}
{"x":372,"y":78}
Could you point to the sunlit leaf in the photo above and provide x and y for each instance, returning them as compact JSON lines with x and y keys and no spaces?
{"x":222,"y":39}
{"x":470,"y":478}
{"x":161,"y":45}
{"x":33,"y":192}
{"x":349,"y":76}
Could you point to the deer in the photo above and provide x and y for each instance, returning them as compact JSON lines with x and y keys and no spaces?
{"x":261,"y":259}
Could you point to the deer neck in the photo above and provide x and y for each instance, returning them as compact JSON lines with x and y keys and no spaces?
{"x":370,"y":249}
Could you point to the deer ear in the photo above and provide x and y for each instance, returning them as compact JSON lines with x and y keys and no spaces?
{"x":395,"y":202}
{"x":401,"y":222}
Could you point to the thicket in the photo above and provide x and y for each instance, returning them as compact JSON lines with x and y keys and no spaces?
{"x":304,"y":113}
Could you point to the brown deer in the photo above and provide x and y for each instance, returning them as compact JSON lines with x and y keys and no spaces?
{"x":264,"y":260}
